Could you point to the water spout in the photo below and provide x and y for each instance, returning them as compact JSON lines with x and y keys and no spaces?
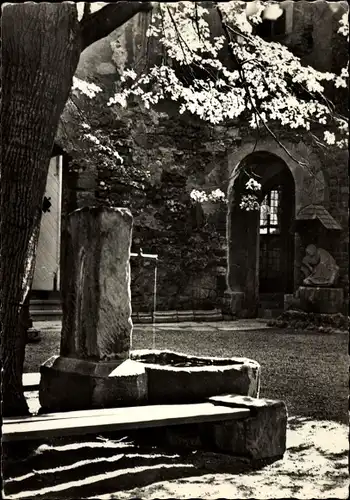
{"x":152,"y":256}
{"x":154,"y":307}
{"x":144,"y":255}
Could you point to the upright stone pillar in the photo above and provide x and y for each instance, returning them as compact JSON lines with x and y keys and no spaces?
{"x":97,"y":324}
{"x":96,"y":285}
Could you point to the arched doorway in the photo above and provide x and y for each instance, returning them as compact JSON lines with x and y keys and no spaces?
{"x":261,"y":243}
{"x":276,"y":253}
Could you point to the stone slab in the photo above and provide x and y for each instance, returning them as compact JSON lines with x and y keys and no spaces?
{"x":260,"y":436}
{"x":68,"y":384}
{"x":115,"y":419}
{"x":321,"y":299}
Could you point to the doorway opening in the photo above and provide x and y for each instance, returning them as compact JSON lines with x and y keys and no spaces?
{"x":261,"y":242}
{"x":276,"y":254}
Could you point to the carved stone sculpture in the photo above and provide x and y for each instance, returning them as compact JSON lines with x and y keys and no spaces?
{"x":319,"y":267}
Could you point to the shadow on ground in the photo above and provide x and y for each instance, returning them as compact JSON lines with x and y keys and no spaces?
{"x":314,"y":466}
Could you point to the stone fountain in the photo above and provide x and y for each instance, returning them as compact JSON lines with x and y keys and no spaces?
{"x":95,"y":368}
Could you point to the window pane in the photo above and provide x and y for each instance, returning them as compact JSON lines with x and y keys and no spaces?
{"x":274,"y":208}
{"x":264,"y":212}
{"x":270,"y":213}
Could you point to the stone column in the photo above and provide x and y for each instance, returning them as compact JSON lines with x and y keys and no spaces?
{"x":97,"y":324}
{"x":243,"y":262}
{"x":96,"y":285}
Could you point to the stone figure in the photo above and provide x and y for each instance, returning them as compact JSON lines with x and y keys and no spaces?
{"x":319,"y":267}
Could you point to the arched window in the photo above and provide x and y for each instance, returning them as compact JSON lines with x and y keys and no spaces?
{"x":270,"y":213}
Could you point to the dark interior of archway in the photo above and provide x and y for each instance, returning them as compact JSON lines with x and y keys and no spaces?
{"x":276,"y":234}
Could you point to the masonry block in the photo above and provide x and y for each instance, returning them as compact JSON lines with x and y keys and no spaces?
{"x":68,"y":384}
{"x":321,"y":299}
{"x":234,"y":302}
{"x":261,"y":436}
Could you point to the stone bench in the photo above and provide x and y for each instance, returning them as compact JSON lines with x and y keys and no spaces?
{"x":258,"y":438}
{"x":248,"y":428}
{"x":114,"y":419}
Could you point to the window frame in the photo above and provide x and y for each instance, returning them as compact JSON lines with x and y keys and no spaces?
{"x":268,"y":227}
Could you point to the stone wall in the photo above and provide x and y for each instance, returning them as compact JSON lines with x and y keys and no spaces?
{"x":190,"y":239}
{"x":182,"y":153}
{"x":336,"y":168}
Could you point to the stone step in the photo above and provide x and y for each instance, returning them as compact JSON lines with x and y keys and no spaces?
{"x":45,"y":309}
{"x":271,"y":300}
{"x":45,"y":314}
{"x":50,"y":310}
{"x":270,"y":305}
{"x":268,"y":313}
{"x":45,"y":304}
{"x":178,"y":316}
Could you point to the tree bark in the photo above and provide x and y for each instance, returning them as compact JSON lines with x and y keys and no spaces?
{"x":41,"y":48}
{"x":102,"y":22}
{"x":41,"y":45}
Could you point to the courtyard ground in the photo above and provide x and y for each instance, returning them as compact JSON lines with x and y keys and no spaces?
{"x":308,"y":371}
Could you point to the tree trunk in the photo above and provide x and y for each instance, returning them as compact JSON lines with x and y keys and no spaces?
{"x":40,"y":52}
{"x":41,"y":45}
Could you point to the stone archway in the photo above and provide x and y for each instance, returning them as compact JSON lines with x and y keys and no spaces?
{"x":243,"y":228}
{"x":310,"y":185}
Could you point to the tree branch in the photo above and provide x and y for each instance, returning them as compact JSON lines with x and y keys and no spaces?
{"x":87,"y":11}
{"x":225,"y":28}
{"x":101,"y":23}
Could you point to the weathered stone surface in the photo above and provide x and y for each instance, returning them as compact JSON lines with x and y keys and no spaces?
{"x":96,"y":284}
{"x":66,"y":388}
{"x":235,"y":302}
{"x":288,"y":301}
{"x":321,"y":299}
{"x":169,"y":143}
{"x":178,"y":378}
{"x":319,"y":267}
{"x":252,"y":441}
{"x":321,"y":323}
{"x":260,"y":436}
{"x":125,"y":385}
{"x":68,"y":384}
{"x":97,"y":324}
{"x":220,"y":462}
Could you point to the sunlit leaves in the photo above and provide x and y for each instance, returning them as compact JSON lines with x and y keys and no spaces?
{"x":214,"y":196}
{"x":88,"y":89}
{"x":267,"y":85}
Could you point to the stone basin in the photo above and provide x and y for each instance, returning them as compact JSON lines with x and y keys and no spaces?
{"x":147,"y":377}
{"x":174,"y":377}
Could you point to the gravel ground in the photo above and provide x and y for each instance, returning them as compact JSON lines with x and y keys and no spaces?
{"x":313,"y":467}
{"x":308,"y":371}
